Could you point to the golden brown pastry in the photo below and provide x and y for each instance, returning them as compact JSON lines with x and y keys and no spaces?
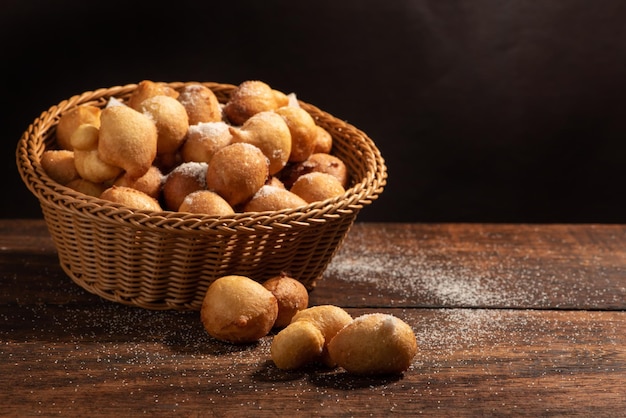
{"x":150,"y":183}
{"x":206,"y":202}
{"x":273,"y":198}
{"x":237,"y":172}
{"x":297,"y":345}
{"x":200,"y":103}
{"x":87,"y":187}
{"x":318,"y":162}
{"x":146,"y":89}
{"x":237,"y":309}
{"x":128,"y":139}
{"x":316,"y":186}
{"x":72,"y":119}
{"x":59,"y":165}
{"x":303,"y":131}
{"x":291,"y":295}
{"x":323,"y":141}
{"x":329,"y":319}
{"x":204,"y":140}
{"x":251,"y":97}
{"x":171,"y":120}
{"x":87,"y":159}
{"x":184,"y":179}
{"x":130,"y":197}
{"x":374,"y":344}
{"x":270,"y":133}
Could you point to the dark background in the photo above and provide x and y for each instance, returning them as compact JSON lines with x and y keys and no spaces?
{"x":484,"y":110}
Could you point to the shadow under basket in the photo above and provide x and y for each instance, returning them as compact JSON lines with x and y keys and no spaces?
{"x":167,"y":260}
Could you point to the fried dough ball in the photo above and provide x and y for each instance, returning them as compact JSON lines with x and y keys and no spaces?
{"x":60,"y":166}
{"x":87,"y":159}
{"x":150,"y":183}
{"x":130,"y":197}
{"x":275,"y":182}
{"x":374,"y":344}
{"x":204,"y":140}
{"x":85,"y":114}
{"x":291,"y":295}
{"x":206,"y":202}
{"x":146,"y":89}
{"x":316,"y":186}
{"x":128,"y":139}
{"x":200,"y":103}
{"x":237,"y":309}
{"x":303,"y":132}
{"x":323,"y":141}
{"x":237,"y":172}
{"x":171,"y":120}
{"x":270,"y":133}
{"x":87,"y":187}
{"x":297,"y":345}
{"x":251,"y":97}
{"x":330,"y":319}
{"x":273,"y":198}
{"x":317,"y":162}
{"x":182,"y":180}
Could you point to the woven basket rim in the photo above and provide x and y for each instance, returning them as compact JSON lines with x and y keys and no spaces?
{"x":48,"y":191}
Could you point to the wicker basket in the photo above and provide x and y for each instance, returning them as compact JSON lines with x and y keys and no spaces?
{"x":166,"y":260}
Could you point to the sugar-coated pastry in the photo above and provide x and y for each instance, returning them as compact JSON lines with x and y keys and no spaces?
{"x":237,"y":172}
{"x":291,"y":295}
{"x":182,"y":180}
{"x":206,"y":202}
{"x":204,"y":140}
{"x":146,"y":89}
{"x":72,"y":119}
{"x":323,"y":140}
{"x":316,"y":186}
{"x":251,"y":97}
{"x":87,"y":187}
{"x":303,"y":131}
{"x":237,"y":309}
{"x":374,"y":344}
{"x":318,"y":162}
{"x":171,"y":120}
{"x":297,"y":345}
{"x":150,"y":183}
{"x":273,"y":198}
{"x":330,"y":319}
{"x":59,"y":165}
{"x":270,"y":133}
{"x":200,"y":103}
{"x":130,"y":197}
{"x":87,"y":159}
{"x":128,"y":139}
{"x":275,"y":181}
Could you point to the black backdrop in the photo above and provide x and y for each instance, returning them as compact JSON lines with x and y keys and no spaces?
{"x":485,"y":110}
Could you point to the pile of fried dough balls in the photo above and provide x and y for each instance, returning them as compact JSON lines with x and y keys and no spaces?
{"x":182,"y":150}
{"x":237,"y":309}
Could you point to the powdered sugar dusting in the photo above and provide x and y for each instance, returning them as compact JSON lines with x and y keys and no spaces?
{"x":495,"y":274}
{"x":193,"y":169}
{"x":209,"y":129}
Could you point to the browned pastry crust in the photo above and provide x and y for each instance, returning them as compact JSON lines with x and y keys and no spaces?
{"x":130,"y":197}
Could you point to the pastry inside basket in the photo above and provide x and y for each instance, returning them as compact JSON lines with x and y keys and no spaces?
{"x":258,"y":150}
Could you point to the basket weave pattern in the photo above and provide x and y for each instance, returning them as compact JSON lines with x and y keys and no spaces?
{"x":167,"y":260}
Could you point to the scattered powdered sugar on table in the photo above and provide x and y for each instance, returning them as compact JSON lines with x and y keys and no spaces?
{"x":436,"y":275}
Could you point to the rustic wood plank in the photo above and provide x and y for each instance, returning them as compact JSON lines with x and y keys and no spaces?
{"x":560,"y":351}
{"x":480,"y":265}
{"x":112,"y":359}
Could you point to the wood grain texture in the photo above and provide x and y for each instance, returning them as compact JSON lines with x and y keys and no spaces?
{"x":548,"y":353}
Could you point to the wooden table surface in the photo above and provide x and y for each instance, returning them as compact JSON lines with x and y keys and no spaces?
{"x":524,"y":320}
